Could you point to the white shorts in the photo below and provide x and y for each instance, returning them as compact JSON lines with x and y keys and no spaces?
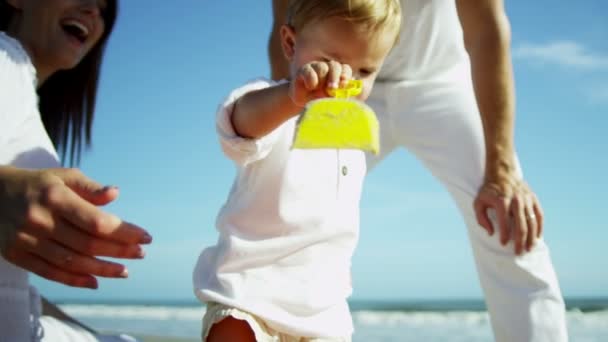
{"x":263,"y":333}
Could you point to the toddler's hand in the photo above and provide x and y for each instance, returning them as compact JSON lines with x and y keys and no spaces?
{"x":313,"y":79}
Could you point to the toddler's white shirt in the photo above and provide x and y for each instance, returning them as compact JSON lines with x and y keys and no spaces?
{"x":287,"y":231}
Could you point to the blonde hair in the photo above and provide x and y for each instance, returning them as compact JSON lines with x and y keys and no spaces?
{"x":375,"y":15}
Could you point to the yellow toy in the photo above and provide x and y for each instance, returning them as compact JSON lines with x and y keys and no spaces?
{"x":339,"y":122}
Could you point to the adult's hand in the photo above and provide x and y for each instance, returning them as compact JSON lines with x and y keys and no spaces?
{"x":51,"y":225}
{"x":518,"y":212}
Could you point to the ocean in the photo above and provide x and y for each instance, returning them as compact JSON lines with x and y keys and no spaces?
{"x":429,"y":321}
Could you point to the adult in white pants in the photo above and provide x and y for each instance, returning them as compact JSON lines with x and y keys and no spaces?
{"x":446,"y":94}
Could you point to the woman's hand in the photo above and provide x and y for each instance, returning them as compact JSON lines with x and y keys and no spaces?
{"x":314,"y":79}
{"x":518,"y":212}
{"x":50,"y":224}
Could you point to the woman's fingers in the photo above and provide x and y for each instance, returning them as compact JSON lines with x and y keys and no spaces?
{"x":70,"y":261}
{"x":49,"y":271}
{"x":20,"y":254}
{"x":85,"y":187}
{"x":90,"y":219}
{"x":64,"y":258}
{"x":51,"y":226}
{"x":87,"y":244}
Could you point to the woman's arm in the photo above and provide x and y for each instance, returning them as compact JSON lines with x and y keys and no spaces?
{"x":50,"y":224}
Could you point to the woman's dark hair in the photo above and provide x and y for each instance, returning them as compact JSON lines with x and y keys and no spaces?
{"x":67,"y":98}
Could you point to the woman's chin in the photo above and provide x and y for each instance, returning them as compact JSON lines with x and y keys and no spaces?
{"x":68,"y":62}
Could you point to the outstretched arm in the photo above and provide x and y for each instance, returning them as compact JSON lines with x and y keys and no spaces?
{"x":51,"y":224}
{"x":487,"y":36}
{"x":259,"y":112}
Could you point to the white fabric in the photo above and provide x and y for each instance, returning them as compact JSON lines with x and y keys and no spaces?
{"x":425,"y":103}
{"x":263,"y":333}
{"x":286,"y":232}
{"x":24,"y":143}
{"x":55,"y":330}
{"x":430,"y":45}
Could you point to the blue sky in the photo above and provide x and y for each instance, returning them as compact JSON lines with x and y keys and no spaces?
{"x":168,"y":66}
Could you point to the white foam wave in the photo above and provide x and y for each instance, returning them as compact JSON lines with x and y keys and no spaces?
{"x":400,"y":318}
{"x":429,"y":326}
{"x":135,"y":312}
{"x":362,"y":317}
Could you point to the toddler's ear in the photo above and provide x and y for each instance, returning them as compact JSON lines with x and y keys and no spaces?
{"x":288,"y":41}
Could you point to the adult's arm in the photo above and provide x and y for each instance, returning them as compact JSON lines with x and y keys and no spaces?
{"x":487,"y":37}
{"x":51,"y":225}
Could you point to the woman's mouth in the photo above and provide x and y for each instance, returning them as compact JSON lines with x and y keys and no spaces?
{"x":76,"y":30}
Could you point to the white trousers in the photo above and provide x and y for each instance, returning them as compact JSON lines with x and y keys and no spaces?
{"x":439,"y":123}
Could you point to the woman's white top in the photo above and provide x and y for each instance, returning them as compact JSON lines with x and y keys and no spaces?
{"x":24,"y":143}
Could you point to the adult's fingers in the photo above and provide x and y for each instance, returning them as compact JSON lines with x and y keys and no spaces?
{"x":90,"y":219}
{"x":87,"y":244}
{"x":70,"y":261}
{"x":481,"y":214}
{"x":520,"y":229}
{"x":87,"y":188}
{"x":502,"y":218}
{"x":540,"y":215}
{"x":532,"y":223}
{"x":37,"y":265}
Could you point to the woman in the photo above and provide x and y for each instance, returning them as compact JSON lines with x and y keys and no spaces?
{"x":50,"y":223}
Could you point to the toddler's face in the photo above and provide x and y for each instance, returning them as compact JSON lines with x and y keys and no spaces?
{"x":337,"y":39}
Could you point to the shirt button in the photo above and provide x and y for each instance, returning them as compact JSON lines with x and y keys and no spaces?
{"x":344,"y":170}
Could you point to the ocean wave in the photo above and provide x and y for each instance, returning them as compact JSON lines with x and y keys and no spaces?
{"x":363,"y":317}
{"x":135,"y":311}
{"x":391,"y":318}
{"x":370,"y":325}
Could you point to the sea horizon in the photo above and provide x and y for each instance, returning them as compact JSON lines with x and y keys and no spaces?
{"x":582,"y":303}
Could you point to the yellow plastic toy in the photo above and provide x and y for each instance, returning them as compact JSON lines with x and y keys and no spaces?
{"x":339,"y":122}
